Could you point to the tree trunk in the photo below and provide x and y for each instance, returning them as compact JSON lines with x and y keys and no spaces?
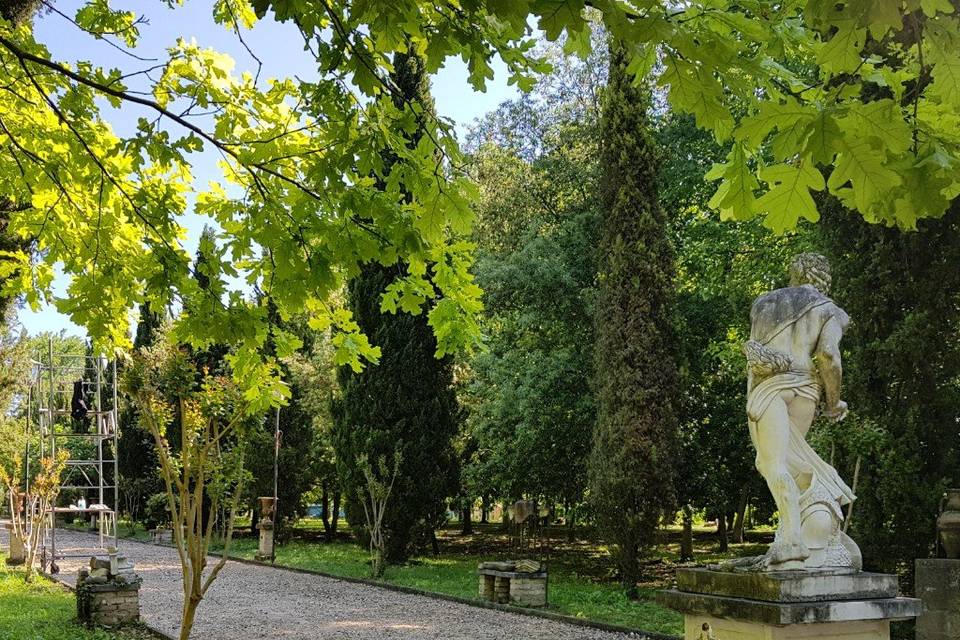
{"x":466,"y":521}
{"x":189,"y":614}
{"x":738,"y":525}
{"x":435,"y":543}
{"x":686,"y":538}
{"x":335,"y":516}
{"x":325,"y":512}
{"x":722,"y":532}
{"x":485,"y":510}
{"x":505,"y":520}
{"x":571,"y":523}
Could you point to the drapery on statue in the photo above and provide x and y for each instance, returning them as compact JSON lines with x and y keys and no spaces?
{"x":793,"y":372}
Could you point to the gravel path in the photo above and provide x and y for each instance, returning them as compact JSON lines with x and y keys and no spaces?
{"x":250,"y":602}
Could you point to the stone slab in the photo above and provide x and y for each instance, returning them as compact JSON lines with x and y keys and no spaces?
{"x":938,"y":586}
{"x":789,"y":613}
{"x":540,"y":575}
{"x":789,"y":586}
{"x":723,"y":629}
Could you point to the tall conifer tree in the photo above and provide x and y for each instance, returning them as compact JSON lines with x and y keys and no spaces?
{"x":630,"y":469}
{"x":406,"y":403}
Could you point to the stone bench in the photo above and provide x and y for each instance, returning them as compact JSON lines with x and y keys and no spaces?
{"x":161,"y":536}
{"x":515,"y":587}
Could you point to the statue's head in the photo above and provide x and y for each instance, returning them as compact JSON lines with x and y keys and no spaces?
{"x":812,"y":269}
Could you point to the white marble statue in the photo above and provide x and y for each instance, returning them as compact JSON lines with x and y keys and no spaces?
{"x":794,"y":370}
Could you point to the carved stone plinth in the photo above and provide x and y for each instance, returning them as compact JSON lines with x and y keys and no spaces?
{"x":827,"y":604}
{"x":265,"y":550}
{"x":938,"y":586}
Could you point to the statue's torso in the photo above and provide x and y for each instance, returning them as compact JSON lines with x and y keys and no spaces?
{"x":790,"y":321}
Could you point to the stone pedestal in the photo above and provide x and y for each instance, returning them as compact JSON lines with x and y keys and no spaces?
{"x":825,"y":604}
{"x":107,"y":600}
{"x":938,"y":587}
{"x":265,"y":550}
{"x":17,"y":552}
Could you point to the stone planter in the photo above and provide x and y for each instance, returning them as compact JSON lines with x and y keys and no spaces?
{"x":948,"y":524}
{"x":113,"y":603}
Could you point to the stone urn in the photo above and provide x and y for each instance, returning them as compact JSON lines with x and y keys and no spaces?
{"x":266,"y":507}
{"x":948,"y":524}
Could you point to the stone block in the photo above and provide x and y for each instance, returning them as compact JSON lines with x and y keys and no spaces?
{"x":487,"y":587}
{"x":789,"y":586}
{"x":789,"y":613}
{"x":530,"y":592}
{"x":501,"y":589}
{"x":938,"y":587}
{"x":726,"y":629}
{"x":17,"y":554}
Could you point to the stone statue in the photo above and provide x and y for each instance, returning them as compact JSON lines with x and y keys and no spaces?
{"x":793,"y":375}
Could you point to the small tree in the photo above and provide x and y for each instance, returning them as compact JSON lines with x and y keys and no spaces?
{"x":212,"y":422}
{"x":377,"y":490}
{"x":28,"y":507}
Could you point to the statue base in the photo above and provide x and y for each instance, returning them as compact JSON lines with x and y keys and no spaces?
{"x":265,"y":550}
{"x":782,"y":605}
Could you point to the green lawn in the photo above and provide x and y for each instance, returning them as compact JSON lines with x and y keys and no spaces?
{"x":44,"y":610}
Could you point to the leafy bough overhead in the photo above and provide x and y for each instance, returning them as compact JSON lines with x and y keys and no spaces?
{"x":857,"y":98}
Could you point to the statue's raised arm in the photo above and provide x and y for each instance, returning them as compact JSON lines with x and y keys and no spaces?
{"x":794,"y":372}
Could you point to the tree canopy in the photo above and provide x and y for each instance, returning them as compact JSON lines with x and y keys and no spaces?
{"x":857,"y":98}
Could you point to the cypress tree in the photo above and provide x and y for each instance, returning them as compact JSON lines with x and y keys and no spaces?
{"x":136,"y":456}
{"x":406,"y":403}
{"x":630,"y":474}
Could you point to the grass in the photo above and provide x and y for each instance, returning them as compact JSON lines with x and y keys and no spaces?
{"x":43,"y":610}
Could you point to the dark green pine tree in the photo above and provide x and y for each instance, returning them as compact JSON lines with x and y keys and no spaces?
{"x":631,"y":463}
{"x":137,"y":460}
{"x":406,"y":403}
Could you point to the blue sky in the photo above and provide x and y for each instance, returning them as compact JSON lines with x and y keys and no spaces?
{"x":278,"y":46}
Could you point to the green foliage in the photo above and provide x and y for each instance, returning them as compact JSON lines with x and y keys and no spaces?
{"x":386,"y":409}
{"x":721,"y":268}
{"x":385,"y":412}
{"x":901,"y":362}
{"x":156,"y":511}
{"x":631,"y":463}
{"x":305,"y":454}
{"x":137,"y":461}
{"x":531,"y":408}
{"x":866,"y":92}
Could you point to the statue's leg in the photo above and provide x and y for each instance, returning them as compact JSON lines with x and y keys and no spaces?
{"x":772,"y":439}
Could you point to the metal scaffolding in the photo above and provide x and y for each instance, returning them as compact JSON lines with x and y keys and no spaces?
{"x":90,"y":440}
